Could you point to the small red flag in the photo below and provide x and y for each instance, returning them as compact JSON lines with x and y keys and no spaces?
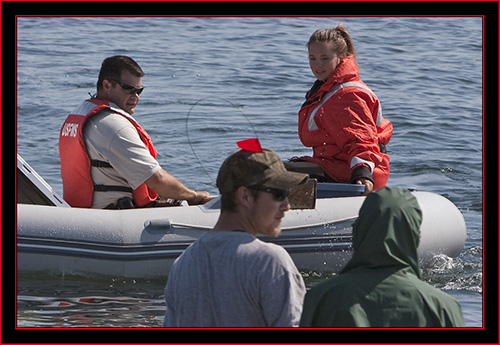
{"x":251,"y":144}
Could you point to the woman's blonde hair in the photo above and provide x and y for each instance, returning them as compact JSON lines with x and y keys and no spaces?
{"x":339,"y":38}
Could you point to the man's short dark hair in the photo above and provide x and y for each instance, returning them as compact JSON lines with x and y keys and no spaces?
{"x":113,"y":66}
{"x":228,"y":203}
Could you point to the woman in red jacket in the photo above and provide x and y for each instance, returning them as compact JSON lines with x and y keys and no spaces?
{"x":342,"y":118}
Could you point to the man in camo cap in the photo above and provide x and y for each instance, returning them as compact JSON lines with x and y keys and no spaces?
{"x":229,"y":277}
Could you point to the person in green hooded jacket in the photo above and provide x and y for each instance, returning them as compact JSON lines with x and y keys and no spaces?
{"x":381,"y":286}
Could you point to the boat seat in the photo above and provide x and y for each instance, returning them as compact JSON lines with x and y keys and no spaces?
{"x":305,"y":168}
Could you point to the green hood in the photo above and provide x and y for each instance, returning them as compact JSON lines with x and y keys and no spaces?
{"x":381,"y":286}
{"x":387,"y":232}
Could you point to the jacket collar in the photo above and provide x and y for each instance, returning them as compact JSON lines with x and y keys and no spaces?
{"x":347,"y":70}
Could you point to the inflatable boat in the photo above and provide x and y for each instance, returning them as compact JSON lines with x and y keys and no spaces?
{"x":143,"y":243}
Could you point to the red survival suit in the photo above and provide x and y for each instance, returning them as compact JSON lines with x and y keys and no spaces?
{"x":342,"y":121}
{"x":78,"y":187}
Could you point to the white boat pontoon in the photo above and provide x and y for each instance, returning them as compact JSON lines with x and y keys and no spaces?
{"x":143,"y":243}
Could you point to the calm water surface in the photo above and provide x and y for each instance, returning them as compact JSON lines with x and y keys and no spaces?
{"x":212,"y":81}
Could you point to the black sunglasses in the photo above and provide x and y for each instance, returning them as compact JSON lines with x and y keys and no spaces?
{"x":129,"y":88}
{"x":278,"y":194}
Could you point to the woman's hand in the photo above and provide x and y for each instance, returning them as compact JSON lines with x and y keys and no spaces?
{"x":368,"y":185}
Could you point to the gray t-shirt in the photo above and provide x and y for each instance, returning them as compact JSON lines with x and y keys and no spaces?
{"x":233,"y":279}
{"x":112,"y":138}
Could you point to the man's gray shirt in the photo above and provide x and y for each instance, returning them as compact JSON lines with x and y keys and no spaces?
{"x":233,"y":279}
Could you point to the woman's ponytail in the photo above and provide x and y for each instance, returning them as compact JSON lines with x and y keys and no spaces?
{"x":340,"y":39}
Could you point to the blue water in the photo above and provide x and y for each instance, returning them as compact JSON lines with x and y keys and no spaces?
{"x":216,"y":80}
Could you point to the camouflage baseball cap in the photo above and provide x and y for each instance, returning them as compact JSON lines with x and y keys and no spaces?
{"x":264,"y":169}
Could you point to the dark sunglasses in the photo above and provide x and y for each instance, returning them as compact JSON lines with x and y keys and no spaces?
{"x":129,"y":88}
{"x":278,"y":194}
